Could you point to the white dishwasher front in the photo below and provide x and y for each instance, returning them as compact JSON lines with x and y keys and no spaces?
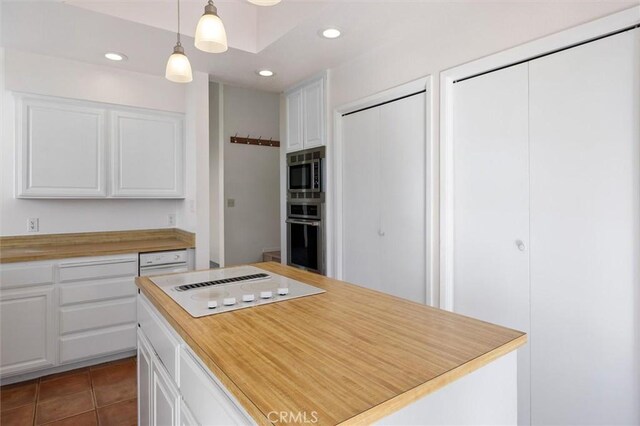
{"x":163,"y":262}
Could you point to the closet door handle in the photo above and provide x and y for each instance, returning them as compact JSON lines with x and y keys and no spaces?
{"x":520,"y":245}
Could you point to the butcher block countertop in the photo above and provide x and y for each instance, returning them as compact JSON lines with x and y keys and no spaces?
{"x":351,"y":354}
{"x":61,"y":246}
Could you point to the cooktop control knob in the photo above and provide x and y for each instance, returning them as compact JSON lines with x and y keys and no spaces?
{"x":212,"y":304}
{"x":248,"y":297}
{"x":229,"y":301}
{"x":283,"y":291}
{"x":266,"y":294}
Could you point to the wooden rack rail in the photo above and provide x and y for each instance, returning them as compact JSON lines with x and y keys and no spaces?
{"x":254,"y":141}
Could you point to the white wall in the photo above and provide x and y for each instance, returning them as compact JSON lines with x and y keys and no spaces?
{"x":216,"y":177}
{"x":26,"y":72}
{"x":438,"y":44}
{"x":251,"y":175}
{"x":193,"y":212}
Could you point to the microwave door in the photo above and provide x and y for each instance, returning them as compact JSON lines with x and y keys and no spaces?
{"x":300,"y":177}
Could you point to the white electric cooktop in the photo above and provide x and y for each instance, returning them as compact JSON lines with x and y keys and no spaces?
{"x":223,"y":290}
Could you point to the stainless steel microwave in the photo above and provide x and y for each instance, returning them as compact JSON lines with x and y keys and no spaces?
{"x":305,"y":176}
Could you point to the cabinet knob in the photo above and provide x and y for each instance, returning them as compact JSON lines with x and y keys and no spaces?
{"x":520,"y":245}
{"x":381,"y":232}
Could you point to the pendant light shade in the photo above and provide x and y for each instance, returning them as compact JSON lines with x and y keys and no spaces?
{"x":210,"y":33}
{"x":178,"y":66}
{"x":264,"y":2}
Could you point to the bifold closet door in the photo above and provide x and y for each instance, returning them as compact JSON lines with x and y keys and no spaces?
{"x":402,"y":216}
{"x":383,"y":196}
{"x":491,"y":205}
{"x":361,"y":198}
{"x":585,"y":233}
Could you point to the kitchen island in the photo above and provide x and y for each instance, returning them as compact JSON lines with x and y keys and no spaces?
{"x":349,"y":355}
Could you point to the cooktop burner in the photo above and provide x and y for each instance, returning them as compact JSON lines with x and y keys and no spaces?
{"x":216,"y":291}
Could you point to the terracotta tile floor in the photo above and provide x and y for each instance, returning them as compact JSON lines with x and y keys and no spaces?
{"x":103,"y":394}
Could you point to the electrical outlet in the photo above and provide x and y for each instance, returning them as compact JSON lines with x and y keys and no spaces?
{"x":33,"y":224}
{"x":231,"y":202}
{"x":172,"y":219}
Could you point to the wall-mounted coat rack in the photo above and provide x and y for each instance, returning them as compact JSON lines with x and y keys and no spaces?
{"x":253,"y":141}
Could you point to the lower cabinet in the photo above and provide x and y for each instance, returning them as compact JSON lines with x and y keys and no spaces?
{"x":166,"y":399}
{"x":145,"y":373}
{"x":27,"y":328}
{"x":190,"y":396}
{"x":59,"y":312}
{"x":186,"y":418}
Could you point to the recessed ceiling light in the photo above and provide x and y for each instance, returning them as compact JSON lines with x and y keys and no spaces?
{"x":264,"y":2}
{"x":114,"y":56}
{"x":266,"y":73}
{"x":331,"y":33}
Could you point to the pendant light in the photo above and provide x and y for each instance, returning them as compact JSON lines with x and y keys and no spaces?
{"x":264,"y":2}
{"x":210,"y":34}
{"x":178,"y":66}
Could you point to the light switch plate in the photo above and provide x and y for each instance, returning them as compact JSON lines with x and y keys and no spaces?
{"x":33,"y":224}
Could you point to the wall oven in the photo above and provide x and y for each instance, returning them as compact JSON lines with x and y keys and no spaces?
{"x":304,"y":172}
{"x":305,"y":236}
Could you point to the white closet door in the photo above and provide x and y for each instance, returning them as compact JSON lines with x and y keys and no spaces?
{"x":491,"y":206}
{"x":384,"y":198}
{"x":402,"y":215}
{"x":585,"y":248}
{"x":361,"y":198}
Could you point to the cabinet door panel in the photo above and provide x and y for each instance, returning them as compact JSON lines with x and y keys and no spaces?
{"x":93,"y":291}
{"x":294,"y":121}
{"x":491,"y":205}
{"x":27,"y":328}
{"x":145,"y":373}
{"x":585,"y":205}
{"x":148,"y":155}
{"x":97,"y":315}
{"x":314,"y":114}
{"x":95,"y":343}
{"x":166,"y":400}
{"x":61,"y":149}
{"x":206,"y":398}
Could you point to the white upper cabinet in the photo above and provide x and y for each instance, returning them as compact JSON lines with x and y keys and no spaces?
{"x":147,"y":155}
{"x":294,"y":121}
{"x":305,"y":116}
{"x":61,"y":149}
{"x":314,"y":114}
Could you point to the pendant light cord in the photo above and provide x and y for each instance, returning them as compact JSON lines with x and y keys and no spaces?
{"x":178,"y":22}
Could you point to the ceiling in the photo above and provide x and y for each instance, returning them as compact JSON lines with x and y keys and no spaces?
{"x":283,"y":38}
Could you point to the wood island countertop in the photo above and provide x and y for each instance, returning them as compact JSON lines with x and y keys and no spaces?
{"x":63,"y":246}
{"x":352,"y":355}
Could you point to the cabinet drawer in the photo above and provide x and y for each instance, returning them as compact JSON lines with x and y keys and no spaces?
{"x":205,"y":397}
{"x":97,"y":290}
{"x":165,"y":345}
{"x":97,"y":315}
{"x":25,"y":275}
{"x":96,"y":343}
{"x":107,"y":268}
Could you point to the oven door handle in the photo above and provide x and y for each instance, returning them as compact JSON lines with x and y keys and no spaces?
{"x":303,"y":222}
